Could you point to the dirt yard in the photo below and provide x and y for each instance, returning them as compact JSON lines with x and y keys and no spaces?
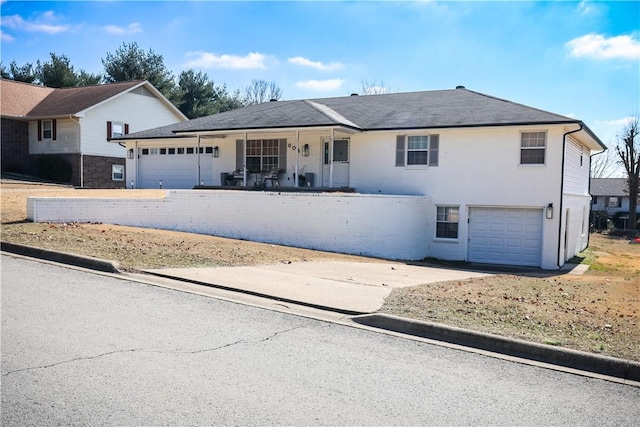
{"x":597,"y":312}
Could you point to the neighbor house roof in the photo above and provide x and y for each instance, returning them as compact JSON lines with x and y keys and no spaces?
{"x":17,"y":99}
{"x":414,"y":110}
{"x":49,"y":102}
{"x":616,"y":187}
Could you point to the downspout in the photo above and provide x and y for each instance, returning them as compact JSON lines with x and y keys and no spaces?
{"x":564,"y":147}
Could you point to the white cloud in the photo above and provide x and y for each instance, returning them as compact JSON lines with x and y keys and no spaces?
{"x":299,"y":60}
{"x":210,"y":60}
{"x":618,"y":122}
{"x":599,"y":47}
{"x":586,"y":7}
{"x":45,"y":23}
{"x":133,"y":28}
{"x":5,"y":37}
{"x":321,"y":85}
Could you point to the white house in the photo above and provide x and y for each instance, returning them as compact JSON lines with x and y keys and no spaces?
{"x":75,"y":125}
{"x":450,"y":174}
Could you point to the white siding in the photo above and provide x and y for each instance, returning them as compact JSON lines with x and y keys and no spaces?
{"x":67,"y":138}
{"x":576,"y":166}
{"x":141,"y":112}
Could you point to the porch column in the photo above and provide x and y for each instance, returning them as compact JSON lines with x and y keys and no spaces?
{"x":297,"y":168}
{"x":244,"y":162}
{"x":199,"y":178}
{"x":331,"y":160}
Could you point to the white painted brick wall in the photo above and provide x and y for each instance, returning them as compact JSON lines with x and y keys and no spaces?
{"x":384,"y":226}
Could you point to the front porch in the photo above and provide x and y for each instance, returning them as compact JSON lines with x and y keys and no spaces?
{"x":278,"y":189}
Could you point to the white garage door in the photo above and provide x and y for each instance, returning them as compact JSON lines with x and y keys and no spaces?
{"x":177,"y":168}
{"x":505,"y":236}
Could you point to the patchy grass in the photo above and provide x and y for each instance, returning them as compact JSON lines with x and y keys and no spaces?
{"x":597,"y":312}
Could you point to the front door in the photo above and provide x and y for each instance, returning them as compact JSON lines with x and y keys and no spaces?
{"x":340,"y":163}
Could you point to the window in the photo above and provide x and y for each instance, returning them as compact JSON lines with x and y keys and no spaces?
{"x":153,"y":151}
{"x":208,"y":150}
{"x":47,"y":130}
{"x":172,"y":151}
{"x":116,"y":129}
{"x":163,"y":151}
{"x":532,"y":148}
{"x":190,"y":150}
{"x":417,"y":150}
{"x":447,"y":222}
{"x":117,"y":172}
{"x":181,"y":150}
{"x":614,"y":202}
{"x":340,"y":151}
{"x":262,"y":154}
{"x":145,"y":151}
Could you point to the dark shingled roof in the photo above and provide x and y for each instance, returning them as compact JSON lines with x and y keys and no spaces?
{"x":72,"y":100}
{"x":415,"y":110}
{"x":609,"y":187}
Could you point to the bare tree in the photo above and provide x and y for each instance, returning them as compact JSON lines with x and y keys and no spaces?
{"x":260,"y":91}
{"x":373,"y":88}
{"x":628,"y":150}
{"x":603,"y":165}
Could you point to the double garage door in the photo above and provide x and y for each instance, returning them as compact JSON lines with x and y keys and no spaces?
{"x":505,"y":236}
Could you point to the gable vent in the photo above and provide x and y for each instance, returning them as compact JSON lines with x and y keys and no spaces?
{"x":460,"y":87}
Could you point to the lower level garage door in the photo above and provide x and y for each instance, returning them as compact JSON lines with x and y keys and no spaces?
{"x":505,"y":236}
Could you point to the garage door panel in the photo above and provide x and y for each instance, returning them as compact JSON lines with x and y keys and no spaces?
{"x":505,"y":236}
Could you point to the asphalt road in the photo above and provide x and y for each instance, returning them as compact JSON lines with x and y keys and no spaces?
{"x":85,"y":349}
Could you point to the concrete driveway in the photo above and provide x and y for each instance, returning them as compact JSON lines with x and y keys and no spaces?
{"x":349,"y":287}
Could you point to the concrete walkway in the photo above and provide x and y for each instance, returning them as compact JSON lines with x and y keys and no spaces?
{"x":348,"y":287}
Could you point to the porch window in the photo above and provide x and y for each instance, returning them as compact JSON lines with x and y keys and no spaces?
{"x":533,"y":148}
{"x":262,"y":154}
{"x":340,"y":151}
{"x":417,"y":150}
{"x":447,"y":218}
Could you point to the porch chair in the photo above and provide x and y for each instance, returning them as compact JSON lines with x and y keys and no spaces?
{"x":274,"y":177}
{"x":238,"y":175}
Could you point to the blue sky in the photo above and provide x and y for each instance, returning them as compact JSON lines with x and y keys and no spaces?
{"x":580,"y":59}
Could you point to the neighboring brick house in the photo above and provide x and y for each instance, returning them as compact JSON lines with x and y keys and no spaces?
{"x":71,"y":128}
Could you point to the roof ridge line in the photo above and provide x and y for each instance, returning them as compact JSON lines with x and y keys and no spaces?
{"x":331,"y":114}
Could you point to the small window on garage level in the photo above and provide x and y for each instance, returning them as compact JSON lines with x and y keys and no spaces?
{"x":181,"y":150}
{"x":117,"y":172}
{"x":145,"y":151}
{"x":163,"y":151}
{"x":172,"y":151}
{"x":190,"y":150}
{"x":447,"y":218}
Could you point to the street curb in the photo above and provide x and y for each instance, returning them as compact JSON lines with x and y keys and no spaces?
{"x":62,"y":257}
{"x":604,"y":365}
